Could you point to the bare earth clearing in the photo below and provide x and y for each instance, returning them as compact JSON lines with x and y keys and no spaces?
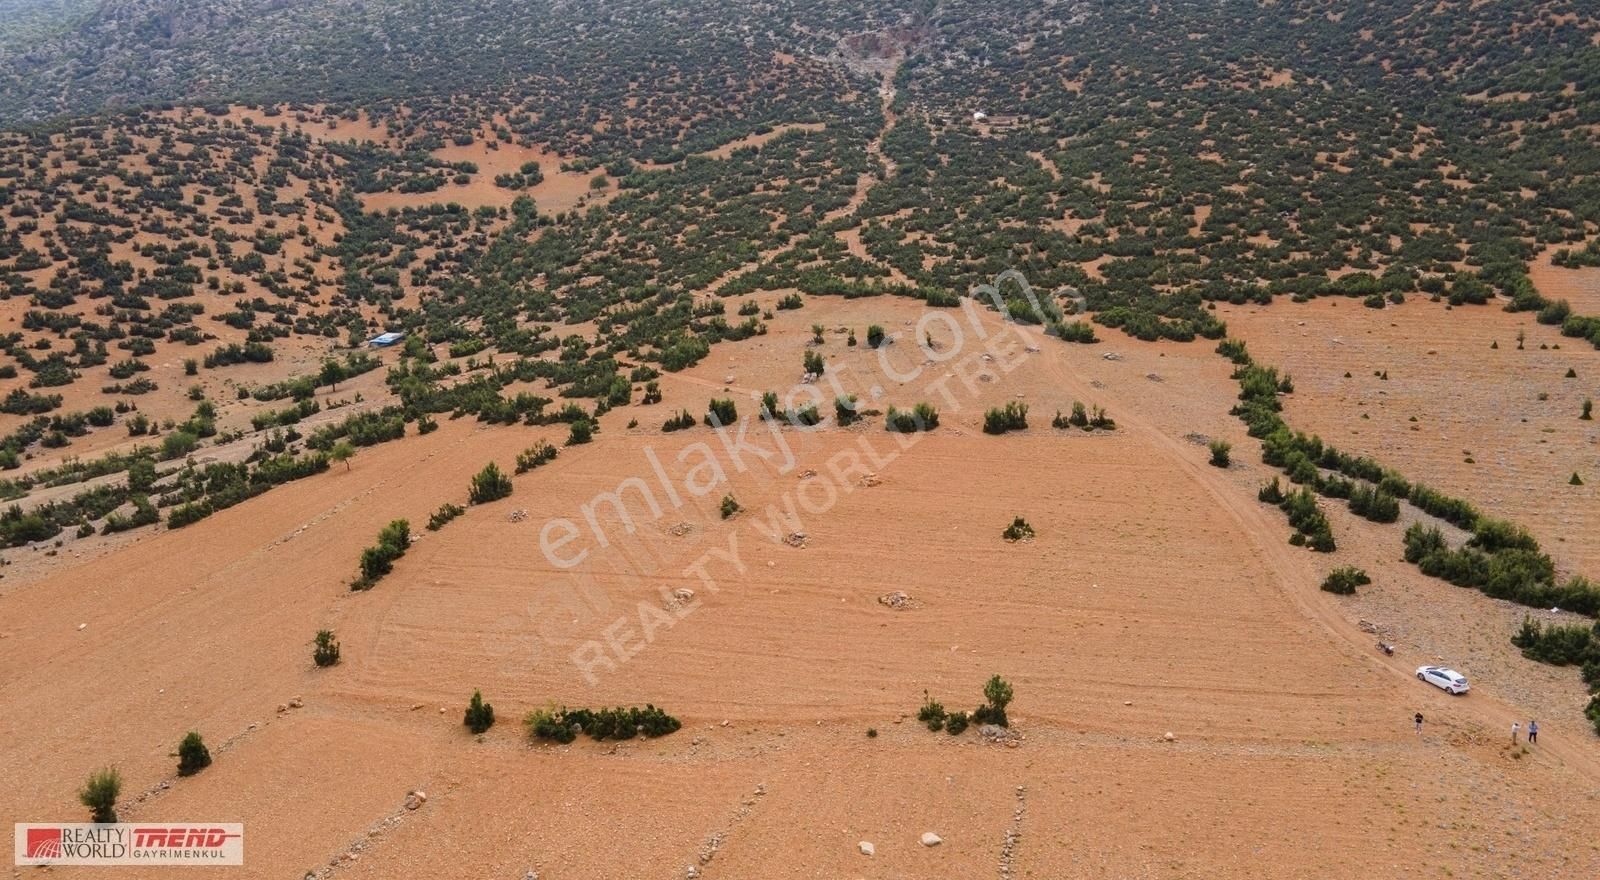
{"x":1158,"y":596}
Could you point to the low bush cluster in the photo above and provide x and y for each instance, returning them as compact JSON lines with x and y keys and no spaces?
{"x":1082,"y":417}
{"x":922,"y":417}
{"x":490,"y":484}
{"x":997,"y":694}
{"x":1309,"y":522}
{"x":1343,"y":581}
{"x":721,"y":411}
{"x":535,"y":456}
{"x":563,"y":725}
{"x":378,"y":560}
{"x":441,"y":517}
{"x":1011,"y":417}
{"x":1503,"y":561}
{"x":678,"y":422}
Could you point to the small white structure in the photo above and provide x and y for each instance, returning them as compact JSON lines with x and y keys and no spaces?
{"x":979,"y":116}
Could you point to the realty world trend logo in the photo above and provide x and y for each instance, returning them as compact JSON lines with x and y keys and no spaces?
{"x":129,"y":843}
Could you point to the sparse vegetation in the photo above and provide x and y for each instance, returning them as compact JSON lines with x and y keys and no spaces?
{"x":722,"y":411}
{"x":99,"y":793}
{"x":1343,"y":581}
{"x":378,"y":560}
{"x":1011,"y":417}
{"x":1219,"y":453}
{"x":922,"y":417}
{"x":534,"y":456}
{"x":563,"y":725}
{"x":479,"y":715}
{"x":997,"y":693}
{"x":193,"y":756}
{"x":326,"y":651}
{"x":441,"y":517}
{"x":729,"y":506}
{"x":490,"y":484}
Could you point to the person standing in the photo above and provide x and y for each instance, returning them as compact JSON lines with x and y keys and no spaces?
{"x":1514,"y":728}
{"x":1533,"y":732}
{"x":1418,"y":720}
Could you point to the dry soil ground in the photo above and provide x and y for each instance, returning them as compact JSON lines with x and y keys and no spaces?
{"x":1158,"y":596}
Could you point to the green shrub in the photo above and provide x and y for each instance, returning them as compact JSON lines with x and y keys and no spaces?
{"x":1374,"y":504}
{"x":932,"y":712}
{"x":1271,"y":493}
{"x":806,"y":417}
{"x":378,"y":560}
{"x":875,"y":336}
{"x":99,"y":794}
{"x":1344,"y":581}
{"x":326,"y":652}
{"x":729,"y":506}
{"x":1588,"y":411}
{"x":678,"y":422}
{"x":565,"y":724}
{"x":443,"y":515}
{"x":580,"y":432}
{"x":535,"y":456}
{"x":1557,"y":645}
{"x":844,"y":410}
{"x":769,"y":405}
{"x":955,"y":723}
{"x":1219,"y":452}
{"x":480,"y":715}
{"x":922,"y":417}
{"x":722,"y":412}
{"x":193,"y":756}
{"x":1011,"y":417}
{"x":814,"y":363}
{"x":489,"y":485}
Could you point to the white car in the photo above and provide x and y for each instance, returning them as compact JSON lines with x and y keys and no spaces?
{"x":1444,"y":679}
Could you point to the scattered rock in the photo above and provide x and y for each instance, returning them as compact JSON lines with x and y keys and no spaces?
{"x":530,"y":874}
{"x":898,"y":600}
{"x":679,"y":598}
{"x":996,"y":734}
{"x":869,"y":481}
{"x":82,"y":627}
{"x":415,"y":799}
{"x":678,"y":530}
{"x":1367,"y":626}
{"x":1170,"y":737}
{"x":931,"y":839}
{"x":866,"y":848}
{"x":517,"y":515}
{"x":1111,"y":356}
{"x":807,"y":474}
{"x":296,"y":702}
{"x":1154,"y":377}
{"x":796,"y":540}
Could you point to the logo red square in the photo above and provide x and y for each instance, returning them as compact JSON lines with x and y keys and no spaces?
{"x":44,"y":843}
